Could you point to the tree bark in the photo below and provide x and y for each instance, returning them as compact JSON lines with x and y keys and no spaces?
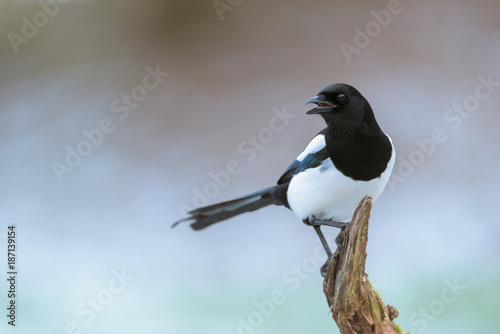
{"x":355,"y":306}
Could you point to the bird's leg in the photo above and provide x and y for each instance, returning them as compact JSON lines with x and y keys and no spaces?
{"x":328,"y":251}
{"x":328,"y":223}
{"x":317,"y":223}
{"x":331,"y":224}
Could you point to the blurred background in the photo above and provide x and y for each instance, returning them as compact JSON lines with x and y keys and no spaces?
{"x":118,"y":116}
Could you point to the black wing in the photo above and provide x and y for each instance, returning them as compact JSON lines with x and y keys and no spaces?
{"x":310,"y":161}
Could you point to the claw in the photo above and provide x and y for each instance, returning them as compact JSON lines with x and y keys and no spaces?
{"x":324,"y":267}
{"x":338,"y":240}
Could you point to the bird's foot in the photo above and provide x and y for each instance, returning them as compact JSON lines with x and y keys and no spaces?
{"x":324,"y":267}
{"x":339,"y":237}
{"x":317,"y":223}
{"x":338,"y":242}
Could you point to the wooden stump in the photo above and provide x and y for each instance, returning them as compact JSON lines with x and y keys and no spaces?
{"x":355,"y":306}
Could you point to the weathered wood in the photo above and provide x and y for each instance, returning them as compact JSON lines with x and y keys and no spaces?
{"x":355,"y":306}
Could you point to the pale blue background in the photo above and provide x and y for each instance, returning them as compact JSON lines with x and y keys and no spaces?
{"x":225,"y":78}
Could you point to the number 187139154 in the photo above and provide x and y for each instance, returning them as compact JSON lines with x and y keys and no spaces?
{"x":11,"y":247}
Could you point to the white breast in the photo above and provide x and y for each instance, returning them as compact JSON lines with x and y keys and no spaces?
{"x":326,"y":193}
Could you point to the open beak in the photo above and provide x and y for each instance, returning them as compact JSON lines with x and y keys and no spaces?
{"x":323,"y":105}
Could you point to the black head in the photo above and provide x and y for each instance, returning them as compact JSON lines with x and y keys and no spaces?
{"x":344,"y":110}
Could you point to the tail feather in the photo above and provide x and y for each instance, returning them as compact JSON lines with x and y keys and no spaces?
{"x":208,"y":215}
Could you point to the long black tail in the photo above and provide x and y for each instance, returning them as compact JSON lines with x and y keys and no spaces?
{"x":208,"y":215}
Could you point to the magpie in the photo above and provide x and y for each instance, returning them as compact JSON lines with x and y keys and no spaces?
{"x":349,"y":159}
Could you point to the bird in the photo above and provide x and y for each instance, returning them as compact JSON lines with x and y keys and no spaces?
{"x":349,"y":159}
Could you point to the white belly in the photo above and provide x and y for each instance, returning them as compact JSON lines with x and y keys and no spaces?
{"x":331,"y":195}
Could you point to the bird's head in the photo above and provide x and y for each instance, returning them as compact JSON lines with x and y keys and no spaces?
{"x":343,"y":108}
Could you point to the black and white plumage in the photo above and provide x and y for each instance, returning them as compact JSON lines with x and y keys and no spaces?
{"x":349,"y":159}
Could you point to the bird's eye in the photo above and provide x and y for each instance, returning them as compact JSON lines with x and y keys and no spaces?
{"x":341,"y":98}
